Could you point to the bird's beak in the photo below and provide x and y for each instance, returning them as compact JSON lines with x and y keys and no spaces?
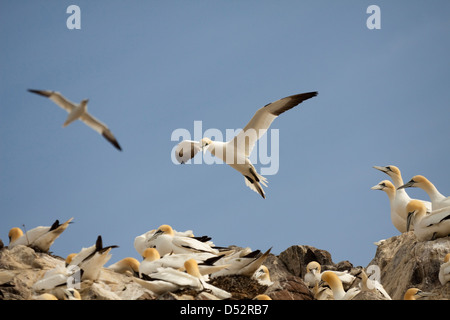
{"x":407,"y":185}
{"x":409,"y":219}
{"x":377,"y":187}
{"x":423,"y":294}
{"x":382,"y":169}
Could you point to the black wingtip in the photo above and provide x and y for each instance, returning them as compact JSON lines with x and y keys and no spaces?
{"x":40,"y":92}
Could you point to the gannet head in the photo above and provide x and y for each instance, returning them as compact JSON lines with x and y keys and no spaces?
{"x":84,"y":103}
{"x":191,"y":267}
{"x":165,"y":228}
{"x":447,"y":258}
{"x":384,"y":185}
{"x":204,"y":143}
{"x":332,"y":279}
{"x":70,"y":258}
{"x":151,"y":254}
{"x":71,"y":294}
{"x":262,"y":297}
{"x":416,"y":181}
{"x":415,"y":294}
{"x":313,"y":267}
{"x":389,"y":170}
{"x":263,"y":273}
{"x":132,"y":263}
{"x":414,"y":208}
{"x":14,"y":234}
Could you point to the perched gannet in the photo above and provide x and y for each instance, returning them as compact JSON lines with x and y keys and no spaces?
{"x":336,"y":286}
{"x":416,"y":294}
{"x":90,"y":260}
{"x":165,"y":241}
{"x":313,"y":275}
{"x":39,"y":238}
{"x":444,"y":270}
{"x":153,"y":261}
{"x":236,"y":152}
{"x":401,"y":197}
{"x":372,"y":285}
{"x":79,"y":111}
{"x":127,"y":265}
{"x":262,"y":275}
{"x":428,"y":226}
{"x":245,"y":265}
{"x":398,"y":211}
{"x":438,"y":201}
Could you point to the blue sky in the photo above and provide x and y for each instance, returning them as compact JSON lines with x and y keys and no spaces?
{"x":151,"y":67}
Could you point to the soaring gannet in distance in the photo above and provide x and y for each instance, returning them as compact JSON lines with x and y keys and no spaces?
{"x":444,"y":270}
{"x":398,"y":208}
{"x":39,"y":238}
{"x":236,"y":152}
{"x":338,"y":289}
{"x":166,"y":241}
{"x":79,"y":111}
{"x":438,"y":201}
{"x":428,"y":226}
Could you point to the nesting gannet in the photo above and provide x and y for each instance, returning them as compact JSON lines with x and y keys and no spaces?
{"x":127,"y":265}
{"x":313,"y":275}
{"x":245,"y":265}
{"x":90,"y":260}
{"x":39,"y":238}
{"x":438,"y":201}
{"x":336,"y":286}
{"x":140,"y":242}
{"x":166,"y":241}
{"x":262,"y":297}
{"x":191,"y":267}
{"x":153,"y":261}
{"x":262,"y":275}
{"x":79,"y":111}
{"x":236,"y":152}
{"x":416,"y":294}
{"x":372,"y":285}
{"x":401,"y":197}
{"x":55,"y":277}
{"x":444,"y":270}
{"x":398,"y":209}
{"x":428,"y":226}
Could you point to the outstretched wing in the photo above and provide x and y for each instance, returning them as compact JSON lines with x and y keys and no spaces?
{"x":264,"y":117}
{"x":186,"y":150}
{"x":57,"y":98}
{"x":100,"y":128}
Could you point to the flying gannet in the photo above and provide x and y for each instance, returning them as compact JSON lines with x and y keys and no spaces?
{"x":236,"y":152}
{"x":438,"y":201}
{"x":428,"y":226}
{"x":39,"y":238}
{"x":79,"y":111}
